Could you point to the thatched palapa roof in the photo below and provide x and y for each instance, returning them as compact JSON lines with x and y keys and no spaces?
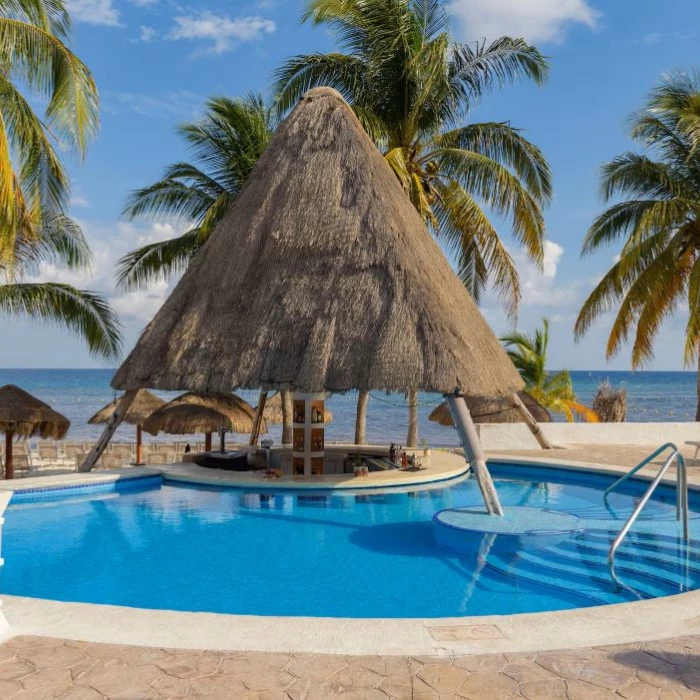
{"x":272,"y":413}
{"x":488,"y":409}
{"x":143,"y":405}
{"x":321,"y":277}
{"x":202,"y":413}
{"x":26,"y":416}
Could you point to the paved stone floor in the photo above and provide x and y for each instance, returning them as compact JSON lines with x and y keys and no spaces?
{"x":38,"y":668}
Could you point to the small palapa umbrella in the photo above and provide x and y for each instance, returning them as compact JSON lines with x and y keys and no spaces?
{"x":142,"y":407}
{"x":493,"y":409}
{"x":23,"y":415}
{"x":272,"y":413}
{"x":203,"y":413}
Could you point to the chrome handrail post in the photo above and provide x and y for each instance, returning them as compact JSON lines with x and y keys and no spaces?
{"x":631,"y":520}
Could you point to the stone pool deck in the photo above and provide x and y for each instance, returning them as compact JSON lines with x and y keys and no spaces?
{"x":40,"y":668}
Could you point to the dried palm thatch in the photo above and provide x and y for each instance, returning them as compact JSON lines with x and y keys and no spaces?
{"x":486,"y":409}
{"x":23,"y":415}
{"x":610,"y":404}
{"x":321,"y":277}
{"x":143,"y":405}
{"x":272,"y":413}
{"x":203,"y":413}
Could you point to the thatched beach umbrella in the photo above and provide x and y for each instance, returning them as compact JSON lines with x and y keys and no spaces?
{"x":23,"y":415}
{"x":143,"y":405}
{"x":272,"y":413}
{"x":322,"y":277}
{"x":486,"y":409}
{"x":203,"y":413}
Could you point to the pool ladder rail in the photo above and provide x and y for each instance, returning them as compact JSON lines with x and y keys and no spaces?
{"x":681,"y":497}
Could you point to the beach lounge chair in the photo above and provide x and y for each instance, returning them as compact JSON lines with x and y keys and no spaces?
{"x":48,"y":452}
{"x":22,"y":464}
{"x":696,"y":445}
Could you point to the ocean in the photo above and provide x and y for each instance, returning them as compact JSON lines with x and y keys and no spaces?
{"x":79,"y":393}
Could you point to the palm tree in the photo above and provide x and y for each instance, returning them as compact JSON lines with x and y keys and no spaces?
{"x":553,"y":390}
{"x":412,"y":89}
{"x":225,"y":144}
{"x":658,"y":223}
{"x":33,"y":182}
{"x":34,"y":187}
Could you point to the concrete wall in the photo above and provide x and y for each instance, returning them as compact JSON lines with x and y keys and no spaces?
{"x":515,"y":436}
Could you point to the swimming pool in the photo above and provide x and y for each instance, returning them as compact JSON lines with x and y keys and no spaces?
{"x":361,"y":554}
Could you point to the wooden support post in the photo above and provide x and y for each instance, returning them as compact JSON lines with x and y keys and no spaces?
{"x":287,"y":418}
{"x":361,"y":418}
{"x":9,"y":459}
{"x":257,"y":424}
{"x":412,"y":436}
{"x":222,"y":441}
{"x":473,"y":451}
{"x":101,"y":445}
{"x":531,"y":423}
{"x":207,"y":442}
{"x":139,"y":446}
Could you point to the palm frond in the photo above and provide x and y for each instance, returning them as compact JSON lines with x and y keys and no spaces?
{"x":157,"y":261}
{"x":85,"y":314}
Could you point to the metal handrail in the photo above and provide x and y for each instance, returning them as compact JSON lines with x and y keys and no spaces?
{"x":681,"y":499}
{"x":642,"y":464}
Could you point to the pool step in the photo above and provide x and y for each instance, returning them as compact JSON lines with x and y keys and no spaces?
{"x":598,"y":590}
{"x":649,"y":581}
{"x":657,"y":557}
{"x":643,"y":540}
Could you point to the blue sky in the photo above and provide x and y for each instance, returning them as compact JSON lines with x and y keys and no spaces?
{"x":156,"y":61}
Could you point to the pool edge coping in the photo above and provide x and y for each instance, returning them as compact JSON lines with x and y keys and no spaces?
{"x":622,"y":623}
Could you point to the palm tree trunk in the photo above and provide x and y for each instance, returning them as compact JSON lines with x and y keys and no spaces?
{"x":361,"y":418}
{"x":287,"y":411}
{"x":697,"y":410}
{"x":257,"y":424}
{"x":412,"y":436}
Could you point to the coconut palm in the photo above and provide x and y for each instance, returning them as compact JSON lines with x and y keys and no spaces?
{"x":412,"y":89}
{"x":553,"y":390}
{"x":34,"y":186}
{"x":657,"y":222}
{"x":225,"y":144}
{"x":35,"y":60}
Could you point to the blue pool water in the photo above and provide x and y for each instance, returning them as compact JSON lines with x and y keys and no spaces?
{"x":363,"y":554}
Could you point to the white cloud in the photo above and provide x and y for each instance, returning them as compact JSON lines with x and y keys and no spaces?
{"x":98,"y":12}
{"x":541,"y":287}
{"x":79,"y":202}
{"x":654,"y":38}
{"x":147,"y":34}
{"x":108,"y":244}
{"x":534,"y":20}
{"x":179,"y":103}
{"x":223,"y":32}
{"x":552,"y":256}
{"x":143,"y":3}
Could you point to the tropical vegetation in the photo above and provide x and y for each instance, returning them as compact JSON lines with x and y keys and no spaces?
{"x":225,"y":145}
{"x":553,"y":390}
{"x":657,"y":223}
{"x":36,"y":65}
{"x":413,"y":89}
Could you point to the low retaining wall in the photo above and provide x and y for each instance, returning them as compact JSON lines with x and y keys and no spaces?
{"x":516,"y":436}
